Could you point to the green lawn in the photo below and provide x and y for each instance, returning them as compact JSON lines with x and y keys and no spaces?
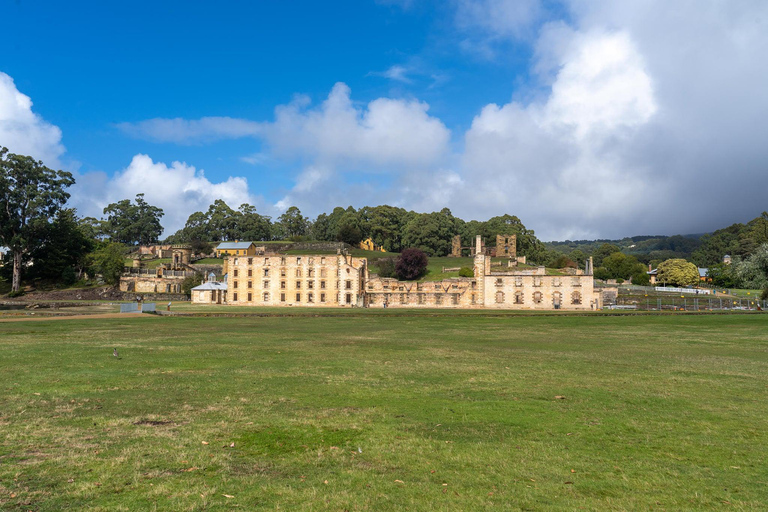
{"x":376,"y":412}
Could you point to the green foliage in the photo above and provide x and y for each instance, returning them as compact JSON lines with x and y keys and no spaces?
{"x":722,"y":275}
{"x":753,"y":271}
{"x":222,"y":223}
{"x":108,"y":261}
{"x":133,"y":223}
{"x":62,"y":251}
{"x":31,"y":195}
{"x":603,"y":252}
{"x":640,"y":276}
{"x":764,"y":294}
{"x":411,"y":264}
{"x":466,"y":272}
{"x":430,"y":232}
{"x":350,"y":234}
{"x":292,"y":224}
{"x":677,"y":272}
{"x":386,"y":267}
{"x":190,"y":282}
{"x":563,"y":261}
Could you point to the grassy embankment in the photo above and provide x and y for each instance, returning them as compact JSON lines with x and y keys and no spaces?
{"x":384,"y":413}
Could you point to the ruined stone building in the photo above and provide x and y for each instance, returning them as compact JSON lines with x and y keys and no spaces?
{"x":344,"y":281}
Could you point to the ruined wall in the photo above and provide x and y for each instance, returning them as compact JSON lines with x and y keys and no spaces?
{"x":141,"y":283}
{"x":459,"y":293}
{"x":306,"y":280}
{"x":506,"y":246}
{"x":544,"y":292}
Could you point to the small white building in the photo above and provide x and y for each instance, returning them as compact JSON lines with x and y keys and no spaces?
{"x":210,"y":292}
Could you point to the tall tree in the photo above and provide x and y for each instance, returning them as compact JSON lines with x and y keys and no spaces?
{"x":30,"y":196}
{"x":293,"y":223}
{"x":133,"y":224}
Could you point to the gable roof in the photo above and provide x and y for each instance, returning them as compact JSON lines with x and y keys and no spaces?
{"x":233,"y":245}
{"x":211,"y":285}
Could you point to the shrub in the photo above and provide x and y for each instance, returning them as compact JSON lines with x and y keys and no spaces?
{"x":190,"y":282}
{"x":466,"y":272}
{"x":764,"y":295}
{"x":386,"y":267}
{"x":411,"y":264}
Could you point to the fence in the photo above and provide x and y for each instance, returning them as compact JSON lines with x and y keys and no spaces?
{"x":693,"y":291}
{"x":688,"y":304}
{"x":135,"y":307}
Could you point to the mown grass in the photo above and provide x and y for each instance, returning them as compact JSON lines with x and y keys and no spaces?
{"x":382,"y":413}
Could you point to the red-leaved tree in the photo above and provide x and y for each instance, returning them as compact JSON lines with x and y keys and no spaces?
{"x":411,"y":264}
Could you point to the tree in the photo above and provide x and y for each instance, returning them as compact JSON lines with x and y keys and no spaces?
{"x":190,"y":282}
{"x":293,"y":223}
{"x":430,"y":232}
{"x":677,"y":272}
{"x":133,"y":224}
{"x":411,"y":264}
{"x":109,"y":261}
{"x":30,"y":196}
{"x":386,"y":267}
{"x":62,"y":252}
{"x":603,"y":252}
{"x":753,"y":271}
{"x":722,"y":275}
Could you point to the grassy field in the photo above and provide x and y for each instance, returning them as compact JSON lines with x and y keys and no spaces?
{"x":385,"y":413}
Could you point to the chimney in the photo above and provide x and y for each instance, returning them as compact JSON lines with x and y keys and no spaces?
{"x":478,"y":245}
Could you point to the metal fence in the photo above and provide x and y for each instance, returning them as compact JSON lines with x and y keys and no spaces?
{"x":688,"y":304}
{"x":135,"y":307}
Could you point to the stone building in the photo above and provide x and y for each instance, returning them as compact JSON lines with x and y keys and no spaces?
{"x":159,"y":280}
{"x":342,"y":280}
{"x":210,"y":292}
{"x":306,"y":280}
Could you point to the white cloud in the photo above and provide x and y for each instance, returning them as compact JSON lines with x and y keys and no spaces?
{"x":386,"y":133}
{"x":397,"y":73}
{"x":179,"y":189}
{"x":24,"y":132}
{"x":196,"y":131}
{"x":500,"y":18}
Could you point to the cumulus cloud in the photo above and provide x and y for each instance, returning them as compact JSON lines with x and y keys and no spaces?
{"x":179,"y":189}
{"x":23,"y":131}
{"x":194,"y":131}
{"x":387,"y":132}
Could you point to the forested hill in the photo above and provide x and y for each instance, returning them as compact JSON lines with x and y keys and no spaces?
{"x":738,"y":240}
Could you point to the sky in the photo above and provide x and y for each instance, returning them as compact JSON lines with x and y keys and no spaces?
{"x":585,"y":118}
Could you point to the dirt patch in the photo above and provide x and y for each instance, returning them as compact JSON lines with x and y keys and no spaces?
{"x":76,"y":317}
{"x":154,"y":423}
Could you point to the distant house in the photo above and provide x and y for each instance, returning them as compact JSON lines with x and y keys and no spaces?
{"x":703,"y":275}
{"x":652,"y":274}
{"x":727,"y":259}
{"x":210,"y":292}
{"x":235,"y":249}
{"x":368,"y":245}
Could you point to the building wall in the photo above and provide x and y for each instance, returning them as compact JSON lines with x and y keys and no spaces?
{"x":150,"y":284}
{"x":209,"y":296}
{"x":459,"y":293}
{"x":283,"y":280}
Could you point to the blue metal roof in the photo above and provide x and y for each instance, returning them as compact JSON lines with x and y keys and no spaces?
{"x":233,"y":245}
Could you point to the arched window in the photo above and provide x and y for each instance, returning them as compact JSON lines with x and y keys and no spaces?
{"x":518,"y":297}
{"x":557,"y":299}
{"x":576,"y":298}
{"x":499,"y":297}
{"x":538,"y":297}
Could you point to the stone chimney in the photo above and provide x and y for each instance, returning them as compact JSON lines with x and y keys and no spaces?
{"x":478,"y":244}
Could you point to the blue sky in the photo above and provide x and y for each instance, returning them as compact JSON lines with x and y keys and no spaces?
{"x":584,"y":119}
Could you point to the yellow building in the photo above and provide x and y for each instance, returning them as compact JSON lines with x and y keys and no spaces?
{"x":368,"y":245}
{"x":235,"y":249}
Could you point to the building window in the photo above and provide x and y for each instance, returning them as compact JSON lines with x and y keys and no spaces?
{"x":282,"y":285}
{"x":422,"y":298}
{"x":348,"y":285}
{"x":234,"y":272}
{"x":250,"y":261}
{"x":235,"y":262}
{"x":250,"y":297}
{"x":298,"y":272}
{"x":438,"y":299}
{"x":298,"y":297}
{"x":438,"y":287}
{"x":250,"y":272}
{"x":499,"y":281}
{"x":311,"y":261}
{"x":266,"y":261}
{"x":282,"y":297}
{"x":266,"y":296}
{"x":455,"y":299}
{"x":538,"y":297}
{"x":266,"y":272}
{"x":250,"y":284}
{"x":403,"y":298}
{"x":298,"y":285}
{"x":266,"y":284}
{"x":499,"y":297}
{"x":575,"y":281}
{"x":518,"y":297}
{"x":235,"y":285}
{"x":474,"y":299}
{"x":282,"y":260}
{"x":518,"y":281}
{"x":310,"y":284}
{"x":349,"y":298}
{"x":322,"y":260}
{"x":311,"y":272}
{"x":322,"y":297}
{"x":372,"y":299}
{"x":322,"y":285}
{"x":213,"y":295}
{"x":298,"y":260}
{"x":557,"y":299}
{"x":310,"y":297}
{"x":556,"y":281}
{"x":576,"y":298}
{"x":282,"y":272}
{"x":536,"y":280}
{"x":234,"y":297}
